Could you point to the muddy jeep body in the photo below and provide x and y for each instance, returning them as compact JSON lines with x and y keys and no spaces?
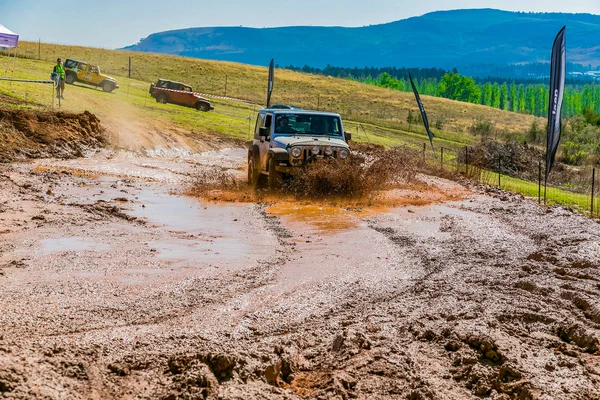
{"x":81,"y":71}
{"x":166,"y":91}
{"x":281,"y":149}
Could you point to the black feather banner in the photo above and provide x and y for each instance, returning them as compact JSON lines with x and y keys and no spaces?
{"x":422,"y":109}
{"x":557,"y":86}
{"x":271,"y":79}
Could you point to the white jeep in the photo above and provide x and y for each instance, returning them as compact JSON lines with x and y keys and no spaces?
{"x":286,"y":140}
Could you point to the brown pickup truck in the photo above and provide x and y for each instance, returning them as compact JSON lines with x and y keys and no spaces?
{"x":166,"y":91}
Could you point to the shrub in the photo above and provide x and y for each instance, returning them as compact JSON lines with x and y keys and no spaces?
{"x":482,"y":127}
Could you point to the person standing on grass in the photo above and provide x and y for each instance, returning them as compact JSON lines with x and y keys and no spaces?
{"x":60,"y":84}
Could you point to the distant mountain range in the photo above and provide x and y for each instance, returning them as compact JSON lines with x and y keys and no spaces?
{"x":443,"y":39}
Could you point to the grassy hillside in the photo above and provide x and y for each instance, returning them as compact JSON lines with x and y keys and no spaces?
{"x":373,"y":107}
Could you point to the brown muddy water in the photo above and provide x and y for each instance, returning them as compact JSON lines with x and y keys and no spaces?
{"x":115,"y":286}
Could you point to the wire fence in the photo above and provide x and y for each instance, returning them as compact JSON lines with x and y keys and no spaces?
{"x":577,"y":188}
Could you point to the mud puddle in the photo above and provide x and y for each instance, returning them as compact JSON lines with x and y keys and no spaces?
{"x":71,"y":244}
{"x":206,"y":233}
{"x":428,"y":222}
{"x":326,"y":220}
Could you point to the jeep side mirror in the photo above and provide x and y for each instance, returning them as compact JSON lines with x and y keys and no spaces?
{"x":264,"y":132}
{"x":348,"y":136}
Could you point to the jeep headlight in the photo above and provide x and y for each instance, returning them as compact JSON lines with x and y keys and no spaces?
{"x":343,"y":154}
{"x":296,"y":152}
{"x":314,"y":151}
{"x":328,"y":151}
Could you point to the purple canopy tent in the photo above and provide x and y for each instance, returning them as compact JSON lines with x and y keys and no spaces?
{"x":8,"y":40}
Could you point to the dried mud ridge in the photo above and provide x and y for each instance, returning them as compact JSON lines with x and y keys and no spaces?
{"x":39,"y":134}
{"x":497,"y":298}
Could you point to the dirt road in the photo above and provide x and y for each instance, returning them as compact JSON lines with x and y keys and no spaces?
{"x":113,"y":286}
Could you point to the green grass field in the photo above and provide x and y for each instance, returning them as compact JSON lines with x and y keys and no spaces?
{"x":581,"y":202}
{"x":354,"y":101}
{"x":230,"y":119}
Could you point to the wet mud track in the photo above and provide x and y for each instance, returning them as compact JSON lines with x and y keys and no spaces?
{"x":111,"y":286}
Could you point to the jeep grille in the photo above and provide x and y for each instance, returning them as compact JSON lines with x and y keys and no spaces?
{"x":307,"y":157}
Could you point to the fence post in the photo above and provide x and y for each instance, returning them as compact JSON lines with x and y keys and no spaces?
{"x":39,"y":49}
{"x":442,"y":159}
{"x":424,"y":148}
{"x":129,"y":67}
{"x":539,"y":182}
{"x":593,"y":188}
{"x":499,"y":170}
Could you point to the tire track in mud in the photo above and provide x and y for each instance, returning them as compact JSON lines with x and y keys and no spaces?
{"x":479,"y":378}
{"x":560,"y":253}
{"x":199,"y":292}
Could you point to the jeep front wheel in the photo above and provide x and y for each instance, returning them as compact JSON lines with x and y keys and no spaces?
{"x":275,"y":177}
{"x":255,"y":178}
{"x":70,"y":78}
{"x":202,"y":106}
{"x":108,"y":87}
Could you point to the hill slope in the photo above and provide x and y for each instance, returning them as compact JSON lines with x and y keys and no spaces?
{"x":444,"y":39}
{"x":382,"y":112}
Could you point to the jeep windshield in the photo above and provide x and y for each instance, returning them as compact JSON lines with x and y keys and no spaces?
{"x":307,"y":124}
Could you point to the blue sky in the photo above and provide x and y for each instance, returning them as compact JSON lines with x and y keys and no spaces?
{"x":113,"y":23}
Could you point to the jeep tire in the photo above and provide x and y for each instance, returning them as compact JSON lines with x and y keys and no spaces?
{"x":162,"y":98}
{"x":107,"y":86}
{"x":255,"y":178}
{"x":275,"y":177}
{"x":70,"y":78}
{"x":202,"y":106}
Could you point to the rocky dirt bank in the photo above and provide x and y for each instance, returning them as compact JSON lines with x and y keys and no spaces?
{"x":38,"y":134}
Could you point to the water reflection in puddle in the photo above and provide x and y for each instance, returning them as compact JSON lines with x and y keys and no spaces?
{"x":68,"y":244}
{"x":324,"y":219}
{"x":214,"y":233}
{"x":433,"y":221}
{"x":188,"y":252}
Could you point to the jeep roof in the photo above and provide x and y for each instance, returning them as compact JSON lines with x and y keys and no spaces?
{"x":284,"y":107}
{"x":299,"y":111}
{"x":172,"y":81}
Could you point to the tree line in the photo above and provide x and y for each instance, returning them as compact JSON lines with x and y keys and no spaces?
{"x":523,"y":96}
{"x":362,"y":74}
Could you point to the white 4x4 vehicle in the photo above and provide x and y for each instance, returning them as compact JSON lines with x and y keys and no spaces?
{"x":288,"y":139}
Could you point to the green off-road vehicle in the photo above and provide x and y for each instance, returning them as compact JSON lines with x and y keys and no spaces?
{"x":286,"y":140}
